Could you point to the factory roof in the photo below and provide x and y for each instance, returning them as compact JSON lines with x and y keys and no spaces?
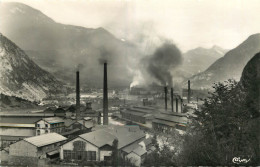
{"x":99,"y":138}
{"x":16,"y":125}
{"x":148,"y":141}
{"x":164,"y":122}
{"x":134,"y":113}
{"x":130,"y":148}
{"x":124,"y":134}
{"x":45,"y":139}
{"x":139,"y":151}
{"x":171,"y":118}
{"x":53,"y":120}
{"x":174,"y":113}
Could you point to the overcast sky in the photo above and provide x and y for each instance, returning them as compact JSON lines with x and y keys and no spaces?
{"x":189,"y":23}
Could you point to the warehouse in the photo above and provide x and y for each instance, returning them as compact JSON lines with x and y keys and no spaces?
{"x":98,"y":145}
{"x":12,"y":132}
{"x":140,"y":114}
{"x":167,"y":122}
{"x":37,"y":146}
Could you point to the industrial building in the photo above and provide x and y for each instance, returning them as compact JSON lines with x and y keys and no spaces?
{"x":139,"y":114}
{"x":167,"y":122}
{"x":98,"y":145}
{"x":38,"y":146}
{"x":12,"y":132}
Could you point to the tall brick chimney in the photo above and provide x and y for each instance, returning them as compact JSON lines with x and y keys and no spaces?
{"x":172,"y":99}
{"x":165,"y":97}
{"x":77,"y":96}
{"x":105,"y":97}
{"x":189,"y":93}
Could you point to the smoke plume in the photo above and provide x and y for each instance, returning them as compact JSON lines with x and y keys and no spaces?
{"x":162,"y":62}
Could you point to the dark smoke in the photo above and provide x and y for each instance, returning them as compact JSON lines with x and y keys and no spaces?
{"x":79,"y":67}
{"x":106,"y":55}
{"x":160,"y":64}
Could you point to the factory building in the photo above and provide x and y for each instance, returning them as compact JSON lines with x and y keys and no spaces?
{"x":166,"y":122}
{"x":49,"y":125}
{"x":38,"y":146}
{"x":140,"y":114}
{"x":12,"y":132}
{"x":98,"y":145}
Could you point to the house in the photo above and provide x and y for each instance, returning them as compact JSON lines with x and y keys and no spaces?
{"x":37,"y":146}
{"x":98,"y":145}
{"x":49,"y":125}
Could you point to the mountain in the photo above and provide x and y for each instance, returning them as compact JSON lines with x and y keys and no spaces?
{"x":230,"y":66}
{"x":21,"y":77}
{"x":11,"y":102}
{"x":199,"y":59}
{"x":59,"y":48}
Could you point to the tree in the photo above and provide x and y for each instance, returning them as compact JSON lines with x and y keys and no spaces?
{"x":220,"y":131}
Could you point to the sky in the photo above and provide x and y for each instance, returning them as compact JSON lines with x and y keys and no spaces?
{"x":188,"y":23}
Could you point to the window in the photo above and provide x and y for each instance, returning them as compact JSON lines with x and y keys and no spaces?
{"x":46,"y":131}
{"x":67,"y":154}
{"x":46,"y":125}
{"x":91,"y":155}
{"x":38,"y":125}
{"x":38,"y":132}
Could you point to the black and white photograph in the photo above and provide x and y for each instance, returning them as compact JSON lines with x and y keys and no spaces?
{"x":129,"y":83}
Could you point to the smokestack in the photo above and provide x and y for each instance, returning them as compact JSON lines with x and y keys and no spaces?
{"x":172,"y":98}
{"x":181,"y":105}
{"x":188,"y":91}
{"x":105,"y":97}
{"x":177,"y":105}
{"x":165,"y":92}
{"x":77,"y":96}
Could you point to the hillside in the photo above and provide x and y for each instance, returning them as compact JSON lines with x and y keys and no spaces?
{"x":199,"y":59}
{"x":21,"y":77}
{"x":230,"y":66}
{"x":59,"y":48}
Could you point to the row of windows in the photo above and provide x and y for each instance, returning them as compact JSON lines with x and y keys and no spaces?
{"x":79,"y":155}
{"x":39,"y":125}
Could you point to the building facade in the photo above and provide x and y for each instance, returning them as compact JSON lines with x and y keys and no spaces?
{"x":50,"y":125}
{"x":37,"y":146}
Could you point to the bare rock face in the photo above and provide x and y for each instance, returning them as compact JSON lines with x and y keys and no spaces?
{"x":20,"y":76}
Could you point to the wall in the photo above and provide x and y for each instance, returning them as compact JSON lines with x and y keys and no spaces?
{"x":41,"y":127}
{"x":88,"y":147}
{"x":134,"y":158}
{"x":104,"y":153}
{"x":10,"y":131}
{"x":23,"y":148}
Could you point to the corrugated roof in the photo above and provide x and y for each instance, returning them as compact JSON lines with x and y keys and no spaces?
{"x":53,"y":120}
{"x":172,"y":118}
{"x":45,"y":139}
{"x":147,"y":141}
{"x":164,"y":122}
{"x":134,"y":113}
{"x":130,"y":148}
{"x":124,"y":134}
{"x":17,"y":125}
{"x":139,"y":151}
{"x":99,"y":138}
